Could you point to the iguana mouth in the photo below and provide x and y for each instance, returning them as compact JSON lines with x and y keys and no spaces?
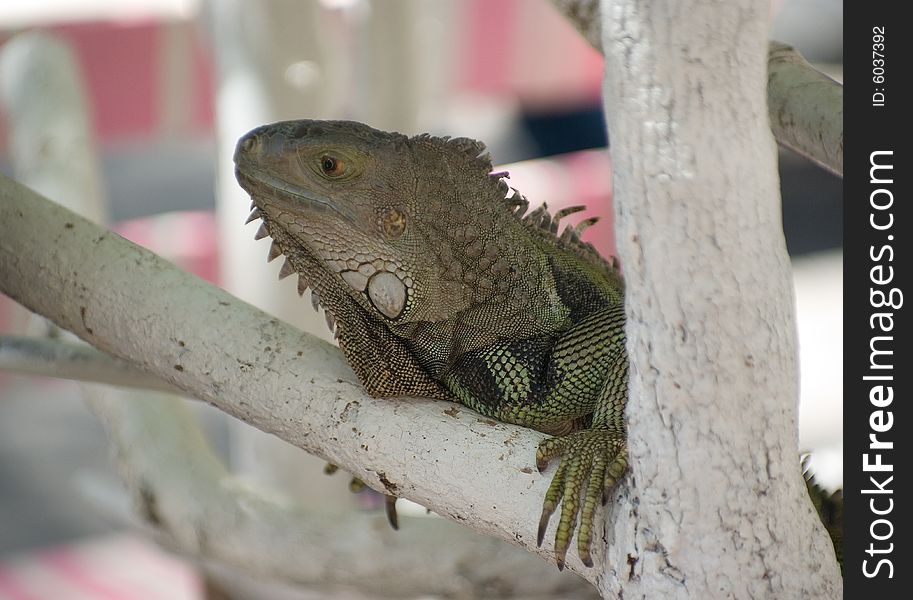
{"x":289,"y":196}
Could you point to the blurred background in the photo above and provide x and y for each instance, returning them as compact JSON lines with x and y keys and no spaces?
{"x":171,"y":84}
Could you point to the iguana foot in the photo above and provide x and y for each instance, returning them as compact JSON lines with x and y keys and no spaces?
{"x":595,"y":458}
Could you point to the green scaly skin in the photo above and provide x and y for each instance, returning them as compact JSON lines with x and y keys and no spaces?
{"x":442,"y":286}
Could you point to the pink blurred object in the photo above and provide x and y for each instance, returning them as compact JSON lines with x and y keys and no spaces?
{"x":110,"y":568}
{"x":527,"y":50}
{"x":513,"y":48}
{"x":126,"y":77}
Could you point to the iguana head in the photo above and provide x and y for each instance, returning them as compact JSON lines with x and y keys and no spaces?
{"x":402,"y":231}
{"x":339,"y":193}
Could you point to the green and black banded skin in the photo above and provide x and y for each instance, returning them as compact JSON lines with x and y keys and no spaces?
{"x":441,"y":284}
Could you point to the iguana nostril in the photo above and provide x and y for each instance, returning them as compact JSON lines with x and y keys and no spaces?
{"x":249,"y":143}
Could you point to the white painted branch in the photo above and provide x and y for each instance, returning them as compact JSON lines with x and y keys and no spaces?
{"x":183,"y":492}
{"x":70,"y":360}
{"x":805,"y":105}
{"x":134,"y":305}
{"x":806,"y":108}
{"x":196,"y":507}
{"x":717,"y":504}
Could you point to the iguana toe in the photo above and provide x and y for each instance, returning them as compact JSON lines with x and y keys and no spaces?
{"x":356,"y":486}
{"x":593,"y":462}
{"x":392,"y":517}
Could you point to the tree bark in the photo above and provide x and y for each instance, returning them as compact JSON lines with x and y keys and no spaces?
{"x":716,"y":506}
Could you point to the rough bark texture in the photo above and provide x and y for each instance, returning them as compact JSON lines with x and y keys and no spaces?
{"x":717,"y":507}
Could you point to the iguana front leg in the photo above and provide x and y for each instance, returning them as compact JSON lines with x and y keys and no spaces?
{"x":592,"y":353}
{"x":597,"y":458}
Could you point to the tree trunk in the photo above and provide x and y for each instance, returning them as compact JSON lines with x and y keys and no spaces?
{"x":716,"y":506}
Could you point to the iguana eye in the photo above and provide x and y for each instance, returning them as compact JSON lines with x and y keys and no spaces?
{"x":331,"y":166}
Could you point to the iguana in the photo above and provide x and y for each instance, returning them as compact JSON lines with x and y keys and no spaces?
{"x":442,"y":285}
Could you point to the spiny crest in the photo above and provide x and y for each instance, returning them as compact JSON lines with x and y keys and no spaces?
{"x":828,"y":504}
{"x":472,"y":150}
{"x":335,"y":130}
{"x":547,"y":225}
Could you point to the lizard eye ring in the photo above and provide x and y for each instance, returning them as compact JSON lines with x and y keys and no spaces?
{"x":332,"y":166}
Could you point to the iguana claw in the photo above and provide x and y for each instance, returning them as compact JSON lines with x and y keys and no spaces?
{"x":356,"y":486}
{"x":596,"y":458}
{"x":392,"y":516}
